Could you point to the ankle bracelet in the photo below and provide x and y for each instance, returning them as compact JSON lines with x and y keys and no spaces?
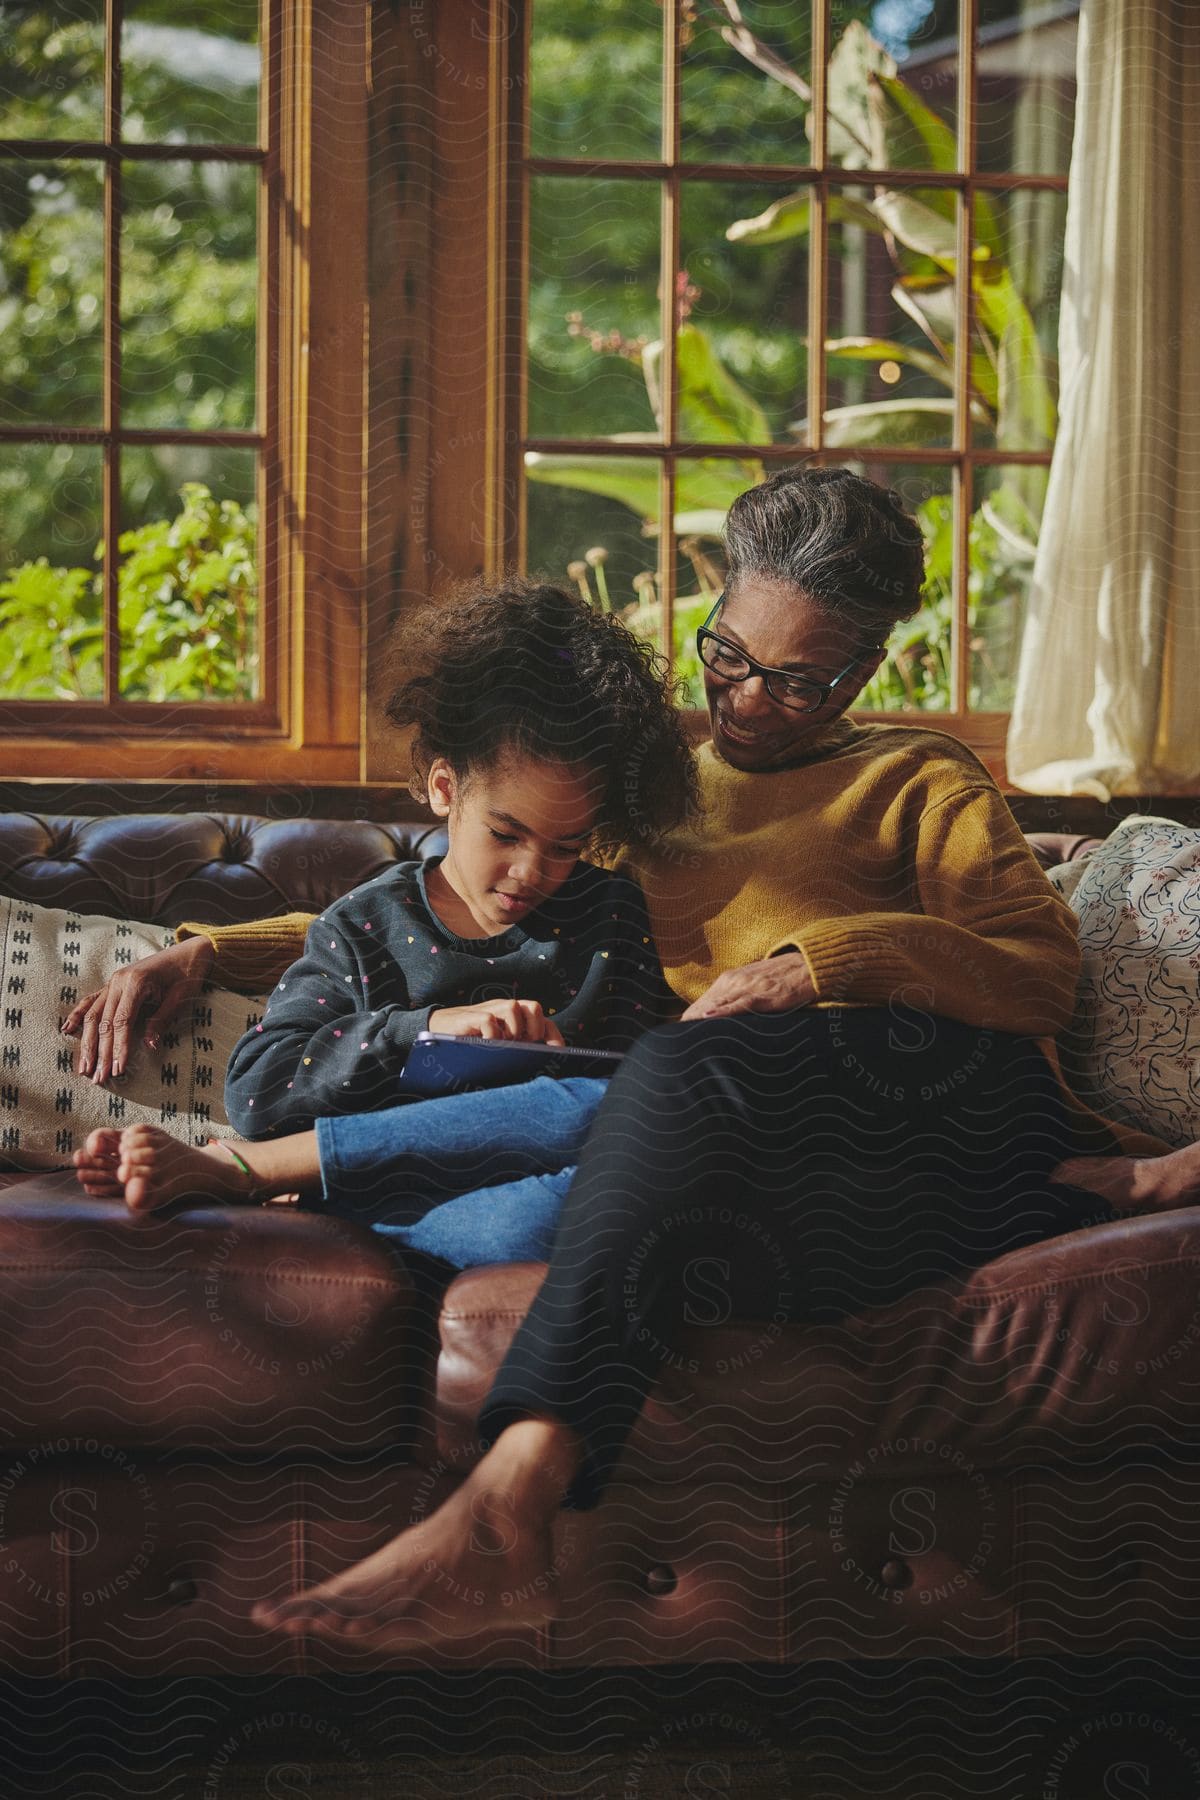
{"x":265,"y":1199}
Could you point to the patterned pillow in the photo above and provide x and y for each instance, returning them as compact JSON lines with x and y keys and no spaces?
{"x":1133,"y":1050}
{"x":48,"y":959}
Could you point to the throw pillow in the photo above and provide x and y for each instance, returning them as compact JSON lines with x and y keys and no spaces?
{"x":1133,"y":1050}
{"x":48,"y":960}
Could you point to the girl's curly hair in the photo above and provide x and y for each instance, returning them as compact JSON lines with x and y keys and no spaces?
{"x":520,"y":666}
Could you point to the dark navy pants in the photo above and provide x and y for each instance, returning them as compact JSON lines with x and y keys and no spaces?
{"x":801,"y":1166}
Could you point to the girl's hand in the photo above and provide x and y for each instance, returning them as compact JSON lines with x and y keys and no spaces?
{"x":159,"y":984}
{"x":774,"y":985}
{"x":523,"y":1020}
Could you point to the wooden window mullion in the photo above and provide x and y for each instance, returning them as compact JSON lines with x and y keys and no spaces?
{"x":670,"y":262}
{"x":818,"y":235}
{"x":963,"y":440}
{"x":112,"y":348}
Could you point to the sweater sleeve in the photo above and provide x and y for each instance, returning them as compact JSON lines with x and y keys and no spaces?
{"x":639,"y":996}
{"x":993,"y":944}
{"x":333,"y":1037}
{"x":251,"y":958}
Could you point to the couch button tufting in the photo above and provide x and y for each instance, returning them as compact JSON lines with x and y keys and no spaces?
{"x":181,"y":1590}
{"x":895,"y":1574}
{"x":661,"y":1579}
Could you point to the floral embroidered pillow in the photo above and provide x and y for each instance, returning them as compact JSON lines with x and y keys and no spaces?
{"x":1133,"y":1050}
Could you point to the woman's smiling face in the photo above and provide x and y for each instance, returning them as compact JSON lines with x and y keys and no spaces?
{"x":779,"y":626}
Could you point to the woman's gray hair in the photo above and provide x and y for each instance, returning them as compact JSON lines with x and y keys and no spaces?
{"x":845,"y":542}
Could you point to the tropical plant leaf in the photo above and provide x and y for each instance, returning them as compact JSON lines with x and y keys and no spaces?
{"x":854,"y":136}
{"x":791,"y":217}
{"x":888,"y":422}
{"x":713,"y":407}
{"x":929,"y":304}
{"x":862,"y":349}
{"x":910,"y":127}
{"x":1013,"y":520}
{"x":918,"y":225}
{"x":1026,"y":409}
{"x":708,"y":485}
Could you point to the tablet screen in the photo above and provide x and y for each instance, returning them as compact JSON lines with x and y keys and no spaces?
{"x":440,"y":1064}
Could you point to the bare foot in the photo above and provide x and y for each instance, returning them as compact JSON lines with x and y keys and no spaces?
{"x":96,"y":1165}
{"x":151,"y":1169}
{"x":1138,"y":1183}
{"x":483,"y":1561}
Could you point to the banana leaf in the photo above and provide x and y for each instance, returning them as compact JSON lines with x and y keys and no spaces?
{"x":791,"y":218}
{"x":1013,"y":520}
{"x":713,"y":407}
{"x":889,"y":423}
{"x":862,"y":349}
{"x":901,"y":106}
{"x":1026,"y":411}
{"x":918,"y":225}
{"x":707,"y":486}
{"x":854,"y":134}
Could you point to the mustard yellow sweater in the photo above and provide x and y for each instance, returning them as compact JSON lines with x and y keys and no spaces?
{"x":887,"y":857}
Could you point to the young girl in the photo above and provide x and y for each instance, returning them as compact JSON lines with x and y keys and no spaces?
{"x":542,"y":729}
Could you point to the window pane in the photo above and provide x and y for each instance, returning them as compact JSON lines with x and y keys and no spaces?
{"x":743,"y":304}
{"x":593,"y":306}
{"x":1017,"y":291}
{"x":189,"y":295}
{"x":52,"y":70}
{"x":592,"y":525}
{"x":890,"y":351}
{"x":51,"y":603}
{"x":916,"y":676}
{"x":893,"y":89}
{"x":1026,"y":81}
{"x":731,"y":109}
{"x":188,"y":574}
{"x":1003,"y":542}
{"x":193,"y":83}
{"x":705,"y":488}
{"x":51,"y":293}
{"x":595,"y":74}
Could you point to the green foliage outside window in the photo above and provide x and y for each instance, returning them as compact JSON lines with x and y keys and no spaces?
{"x":741,"y":356}
{"x":187,"y":605}
{"x":189,"y":295}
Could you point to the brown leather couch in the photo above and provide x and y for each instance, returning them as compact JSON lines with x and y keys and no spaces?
{"x":203,"y":1409}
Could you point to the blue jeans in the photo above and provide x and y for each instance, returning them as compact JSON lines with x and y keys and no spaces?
{"x":472,"y":1178}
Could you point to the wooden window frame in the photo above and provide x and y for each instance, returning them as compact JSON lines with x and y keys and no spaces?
{"x":307,"y":727}
{"x":475,"y":444}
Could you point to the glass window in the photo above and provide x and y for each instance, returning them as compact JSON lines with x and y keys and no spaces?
{"x":671,"y":306}
{"x":131,"y":442}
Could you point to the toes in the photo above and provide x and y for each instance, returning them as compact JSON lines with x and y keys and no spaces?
{"x":139,"y":1192}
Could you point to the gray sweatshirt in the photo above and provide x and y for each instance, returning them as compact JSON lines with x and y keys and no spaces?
{"x":338,"y":1027}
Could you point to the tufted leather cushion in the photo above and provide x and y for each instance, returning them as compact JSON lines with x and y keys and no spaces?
{"x":240,"y":1328}
{"x":226,"y":867}
{"x":1083,"y":1345}
{"x":218,"y":867}
{"x":1052,"y":848}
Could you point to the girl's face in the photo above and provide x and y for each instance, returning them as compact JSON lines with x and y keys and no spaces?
{"x":516,"y":830}
{"x":781,"y":628}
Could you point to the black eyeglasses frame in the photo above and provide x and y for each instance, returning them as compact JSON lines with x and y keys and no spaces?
{"x":823,"y":688}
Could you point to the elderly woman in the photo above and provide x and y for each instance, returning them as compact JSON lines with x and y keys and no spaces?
{"x":861,"y":1096}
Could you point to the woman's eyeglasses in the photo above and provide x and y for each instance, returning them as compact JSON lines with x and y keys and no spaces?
{"x":799,"y":692}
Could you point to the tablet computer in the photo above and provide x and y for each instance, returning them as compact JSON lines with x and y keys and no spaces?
{"x":441,"y":1064}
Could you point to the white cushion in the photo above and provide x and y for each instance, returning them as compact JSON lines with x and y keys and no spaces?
{"x":48,"y":960}
{"x":1133,"y":1050}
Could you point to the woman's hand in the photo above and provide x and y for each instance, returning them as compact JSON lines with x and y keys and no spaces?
{"x":518,"y":1019}
{"x":774,"y":985}
{"x":158,"y":984}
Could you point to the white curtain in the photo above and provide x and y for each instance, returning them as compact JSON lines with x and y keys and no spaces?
{"x":1108,"y":688}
